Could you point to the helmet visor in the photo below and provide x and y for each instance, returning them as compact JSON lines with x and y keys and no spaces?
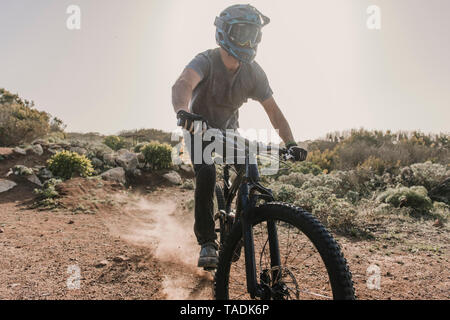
{"x":245,"y":35}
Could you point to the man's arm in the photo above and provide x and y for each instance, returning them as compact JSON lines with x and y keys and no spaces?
{"x":182,"y":89}
{"x":278,"y":120}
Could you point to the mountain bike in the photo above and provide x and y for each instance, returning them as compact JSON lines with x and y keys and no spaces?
{"x":270,"y":249}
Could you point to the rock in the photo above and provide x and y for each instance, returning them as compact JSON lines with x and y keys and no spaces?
{"x":122,"y":151}
{"x":64,"y":145}
{"x":115,"y":174}
{"x":120,"y":259}
{"x":1,"y":230}
{"x":79,"y":150}
{"x":127,"y":160}
{"x":6,"y":185}
{"x":141,"y":157}
{"x":20,"y":151}
{"x":6,"y":152}
{"x":137,"y":172}
{"x":37,"y":149}
{"x":70,"y":222}
{"x":76,"y":143}
{"x":45,"y":174}
{"x":34,"y":179}
{"x":54,"y":150}
{"x":141,"y":165}
{"x":187,"y":168}
{"x":40,"y":141}
{"x":109,"y":159}
{"x":173,"y":177}
{"x":99,"y":150}
{"x":96,"y":162}
{"x":102,"y":264}
{"x":27,"y":173}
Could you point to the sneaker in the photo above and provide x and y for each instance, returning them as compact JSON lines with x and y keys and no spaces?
{"x":208,"y":256}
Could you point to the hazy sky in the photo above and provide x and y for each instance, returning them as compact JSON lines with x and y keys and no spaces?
{"x":328,"y":71}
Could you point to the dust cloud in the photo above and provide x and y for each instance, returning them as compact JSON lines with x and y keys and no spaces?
{"x":162,"y":226}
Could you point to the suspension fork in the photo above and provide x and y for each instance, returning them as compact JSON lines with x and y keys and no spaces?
{"x":249,"y":247}
{"x":248,"y":204}
{"x":275,"y":261}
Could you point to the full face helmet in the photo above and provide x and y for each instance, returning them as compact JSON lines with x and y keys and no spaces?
{"x":238,"y":31}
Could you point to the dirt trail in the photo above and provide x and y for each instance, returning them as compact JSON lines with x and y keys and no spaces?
{"x":159,"y":221}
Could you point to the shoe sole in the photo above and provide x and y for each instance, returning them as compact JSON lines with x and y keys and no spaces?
{"x":208,"y":262}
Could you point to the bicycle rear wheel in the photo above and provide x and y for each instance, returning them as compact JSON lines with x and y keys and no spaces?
{"x":312,"y":264}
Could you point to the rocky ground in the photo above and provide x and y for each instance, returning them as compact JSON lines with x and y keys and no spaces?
{"x":105,"y":241}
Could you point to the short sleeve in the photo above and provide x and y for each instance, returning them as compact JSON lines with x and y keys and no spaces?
{"x":262,"y":90}
{"x":200,"y":64}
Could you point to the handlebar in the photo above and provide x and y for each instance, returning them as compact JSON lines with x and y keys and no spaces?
{"x":199,"y":124}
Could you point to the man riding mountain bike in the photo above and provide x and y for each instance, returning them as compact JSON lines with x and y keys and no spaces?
{"x":212,"y":88}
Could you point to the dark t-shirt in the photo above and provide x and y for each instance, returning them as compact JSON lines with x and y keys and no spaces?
{"x":220,"y":93}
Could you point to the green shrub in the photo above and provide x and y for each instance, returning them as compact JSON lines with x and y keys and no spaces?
{"x":374,"y":164}
{"x":306,"y":167}
{"x":414,"y":197}
{"x":284,"y":192}
{"x":49,"y":189}
{"x":295,"y":179}
{"x":116,"y":143}
{"x":19,"y":121}
{"x":442,"y":210}
{"x":46,"y":197}
{"x":350,"y":149}
{"x":139,"y":146}
{"x":68,"y":164}
{"x":323,"y":159}
{"x":158,"y":155}
{"x":336,"y":213}
{"x":429,"y":174}
{"x":141,"y":135}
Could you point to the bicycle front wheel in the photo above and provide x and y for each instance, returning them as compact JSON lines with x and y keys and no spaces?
{"x":311,"y":265}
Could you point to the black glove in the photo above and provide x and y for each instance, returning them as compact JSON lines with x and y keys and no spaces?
{"x":299,"y":154}
{"x":296,"y":153}
{"x":192,"y":122}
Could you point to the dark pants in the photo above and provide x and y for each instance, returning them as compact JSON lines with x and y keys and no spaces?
{"x":205,"y":176}
{"x":205,"y":182}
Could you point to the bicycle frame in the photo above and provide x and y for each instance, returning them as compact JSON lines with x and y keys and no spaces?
{"x":248,"y":189}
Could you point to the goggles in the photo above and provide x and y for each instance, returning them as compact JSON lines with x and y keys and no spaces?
{"x":240,"y":33}
{"x":245,"y":35}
